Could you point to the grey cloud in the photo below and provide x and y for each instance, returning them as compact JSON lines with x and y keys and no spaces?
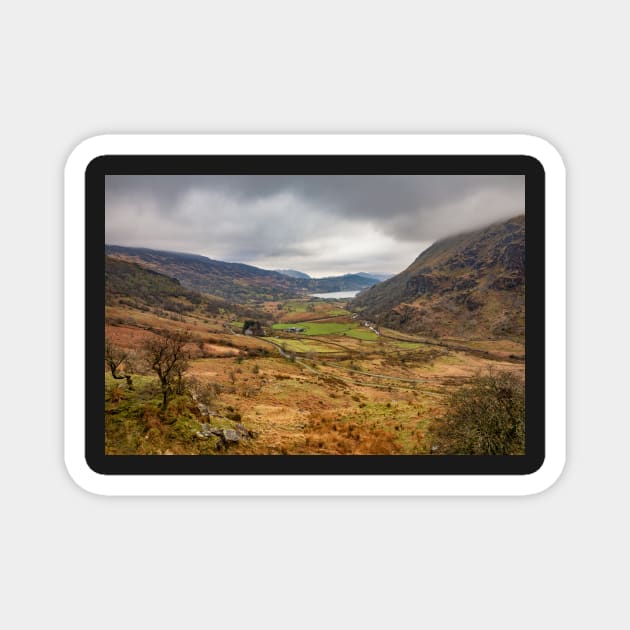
{"x":276,"y":218}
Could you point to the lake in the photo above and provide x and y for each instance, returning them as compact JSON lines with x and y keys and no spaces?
{"x":335,"y":294}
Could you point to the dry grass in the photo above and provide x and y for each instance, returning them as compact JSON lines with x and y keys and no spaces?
{"x":320,"y":404}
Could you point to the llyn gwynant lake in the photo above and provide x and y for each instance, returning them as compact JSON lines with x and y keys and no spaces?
{"x":335,"y":294}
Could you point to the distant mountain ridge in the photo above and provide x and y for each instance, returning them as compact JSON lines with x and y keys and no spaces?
{"x":377,"y":276}
{"x":470,"y":285}
{"x":347,"y":282}
{"x":292,"y":273}
{"x":236,"y":282}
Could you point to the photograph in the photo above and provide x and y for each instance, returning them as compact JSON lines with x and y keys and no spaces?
{"x":314,"y":315}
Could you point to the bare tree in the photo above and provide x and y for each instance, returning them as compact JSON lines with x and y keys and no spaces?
{"x":119,"y":362}
{"x":168,"y":357}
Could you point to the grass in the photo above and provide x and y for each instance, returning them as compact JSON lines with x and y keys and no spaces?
{"x":296,"y":306}
{"x":135,"y":425}
{"x":300,"y":407}
{"x":318,"y":328}
{"x":303,"y":345}
{"x":313,"y":306}
{"x":337,"y":311}
{"x":362,"y":333}
{"x":406,"y":345}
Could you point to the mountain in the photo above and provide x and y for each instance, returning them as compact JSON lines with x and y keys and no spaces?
{"x":235,"y":282}
{"x":347,"y":282}
{"x":146,"y":287}
{"x":469,"y":285}
{"x":232,"y":281}
{"x":131,"y":284}
{"x":377,"y":276}
{"x":292,"y":273}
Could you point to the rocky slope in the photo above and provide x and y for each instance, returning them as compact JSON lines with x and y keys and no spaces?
{"x":470,"y":285}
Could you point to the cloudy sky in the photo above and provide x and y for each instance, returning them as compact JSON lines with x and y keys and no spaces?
{"x":319,"y":224}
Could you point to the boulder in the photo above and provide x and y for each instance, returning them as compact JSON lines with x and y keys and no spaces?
{"x":231,"y":436}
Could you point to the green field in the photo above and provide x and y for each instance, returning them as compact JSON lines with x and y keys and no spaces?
{"x":362,"y":333}
{"x":318,"y":328}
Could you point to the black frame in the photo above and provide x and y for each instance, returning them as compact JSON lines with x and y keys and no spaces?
{"x":528,"y":166}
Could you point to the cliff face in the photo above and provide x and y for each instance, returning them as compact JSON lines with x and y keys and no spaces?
{"x":470,"y":285}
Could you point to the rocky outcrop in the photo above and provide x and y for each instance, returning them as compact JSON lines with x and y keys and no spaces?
{"x":226,"y":436}
{"x":470,"y":285}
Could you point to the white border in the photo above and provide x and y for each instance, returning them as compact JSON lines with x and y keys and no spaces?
{"x":338,"y":485}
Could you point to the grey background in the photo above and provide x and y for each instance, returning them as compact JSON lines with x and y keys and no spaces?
{"x":72,"y":70}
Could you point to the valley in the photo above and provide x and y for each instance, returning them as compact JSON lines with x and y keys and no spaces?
{"x":341,"y":313}
{"x":338,"y":386}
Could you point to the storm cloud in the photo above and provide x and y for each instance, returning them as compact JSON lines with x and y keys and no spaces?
{"x":320,"y":224}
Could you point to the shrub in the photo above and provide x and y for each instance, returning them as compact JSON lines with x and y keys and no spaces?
{"x":485,"y":417}
{"x":235,"y":416}
{"x":115,"y":394}
{"x":205,"y":392}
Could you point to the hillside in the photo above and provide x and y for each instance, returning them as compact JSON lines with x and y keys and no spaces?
{"x":310,"y":379}
{"x":132,"y":285}
{"x":347,"y":282}
{"x":236,"y":282}
{"x":124,"y":280}
{"x":292,"y":273}
{"x":231,"y":281}
{"x":470,"y":285}
{"x":377,"y":276}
